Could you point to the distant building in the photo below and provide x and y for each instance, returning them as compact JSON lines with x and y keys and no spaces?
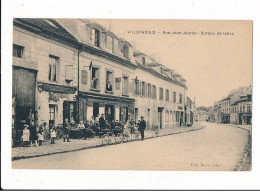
{"x":236,"y":108}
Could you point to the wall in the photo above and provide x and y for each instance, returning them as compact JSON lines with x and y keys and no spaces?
{"x":145,"y":103}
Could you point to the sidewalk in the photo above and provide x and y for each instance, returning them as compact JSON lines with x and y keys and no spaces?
{"x":77,"y":144}
{"x":244,"y":127}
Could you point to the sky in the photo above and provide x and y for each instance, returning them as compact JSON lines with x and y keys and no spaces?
{"x":213,"y":63}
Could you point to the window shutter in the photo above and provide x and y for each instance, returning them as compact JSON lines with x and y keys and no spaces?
{"x":133,"y":87}
{"x":146,"y":89}
{"x":69,"y":73}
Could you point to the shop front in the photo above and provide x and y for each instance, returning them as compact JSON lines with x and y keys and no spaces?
{"x":113,"y":107}
{"x":56,"y":103}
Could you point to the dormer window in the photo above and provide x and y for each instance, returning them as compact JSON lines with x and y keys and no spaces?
{"x":143,"y":61}
{"x":161,"y":70}
{"x":125,"y":51}
{"x":109,"y":44}
{"x":18,"y":51}
{"x":95,"y":37}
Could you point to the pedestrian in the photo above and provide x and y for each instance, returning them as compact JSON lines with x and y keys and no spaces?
{"x":102,"y":122}
{"x":26,"y":135}
{"x":33,"y":135}
{"x":40,"y":136}
{"x":53,"y":134}
{"x":66,"y":130}
{"x":142,"y":127}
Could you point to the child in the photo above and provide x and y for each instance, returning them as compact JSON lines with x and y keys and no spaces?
{"x":26,"y":134}
{"x":53,"y":135}
{"x":40,"y":136}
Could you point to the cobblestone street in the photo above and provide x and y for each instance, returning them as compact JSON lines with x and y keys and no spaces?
{"x":216,"y":147}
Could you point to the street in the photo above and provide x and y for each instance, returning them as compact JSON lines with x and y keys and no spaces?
{"x":216,"y":147}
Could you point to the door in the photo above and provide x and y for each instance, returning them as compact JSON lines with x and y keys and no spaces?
{"x":23,"y":94}
{"x":136,"y":115}
{"x":109,"y":112}
{"x":95,"y":109}
{"x":160,"y":117}
{"x":125,"y":114}
{"x":69,"y":111}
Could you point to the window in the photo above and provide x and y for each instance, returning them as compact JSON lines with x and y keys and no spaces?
{"x":149,"y":91}
{"x":18,"y":51}
{"x":53,"y":68}
{"x":137,"y":87}
{"x":248,"y":108}
{"x":68,"y":73}
{"x":166,"y":95}
{"x":143,"y":61}
{"x":154,"y":92}
{"x":125,"y":85}
{"x":173,"y":114}
{"x":95,"y":78}
{"x":51,"y":114}
{"x":109,"y":81}
{"x":84,"y":77}
{"x":180,"y":98}
{"x":244,"y":108}
{"x":143,"y":89}
{"x":161,"y":93}
{"x":161,"y":70}
{"x":95,"y":37}
{"x":125,"y":51}
{"x":177,"y":116}
{"x":71,"y":112}
{"x":109,"y":44}
{"x":174,"y":97}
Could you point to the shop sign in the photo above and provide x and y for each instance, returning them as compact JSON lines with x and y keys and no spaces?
{"x":180,"y":107}
{"x":56,"y":96}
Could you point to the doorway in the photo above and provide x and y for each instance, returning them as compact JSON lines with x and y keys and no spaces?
{"x":160,"y":117}
{"x":109,"y":112}
{"x":95,"y":109}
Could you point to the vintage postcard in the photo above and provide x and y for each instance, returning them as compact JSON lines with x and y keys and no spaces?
{"x":120,"y":94}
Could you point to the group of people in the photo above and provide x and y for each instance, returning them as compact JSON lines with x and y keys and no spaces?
{"x":89,"y":129}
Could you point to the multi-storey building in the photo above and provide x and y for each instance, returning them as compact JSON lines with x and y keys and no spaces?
{"x":241,"y":107}
{"x":44,"y":73}
{"x":159,"y":95}
{"x":106,"y":69}
{"x":236,"y":108}
{"x":76,"y":69}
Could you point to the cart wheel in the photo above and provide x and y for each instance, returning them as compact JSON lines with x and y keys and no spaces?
{"x":105,"y":139}
{"x":113,"y":139}
{"x":120,"y":137}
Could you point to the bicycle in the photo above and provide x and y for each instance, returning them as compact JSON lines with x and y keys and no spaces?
{"x":107,"y":137}
{"x":124,"y":136}
{"x":135,"y":134}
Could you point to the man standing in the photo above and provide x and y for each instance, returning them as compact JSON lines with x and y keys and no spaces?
{"x":102,"y":122}
{"x":142,"y":127}
{"x":66,"y":130}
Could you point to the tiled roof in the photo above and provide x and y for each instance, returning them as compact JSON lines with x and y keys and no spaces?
{"x":49,"y":26}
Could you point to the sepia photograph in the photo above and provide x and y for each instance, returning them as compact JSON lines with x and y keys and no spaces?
{"x":128,"y":94}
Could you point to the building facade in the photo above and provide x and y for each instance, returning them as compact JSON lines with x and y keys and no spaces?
{"x":72,"y":69}
{"x":236,"y":108}
{"x":44,"y":76}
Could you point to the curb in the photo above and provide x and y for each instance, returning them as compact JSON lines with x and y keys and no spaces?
{"x":96,"y":146}
{"x":240,"y":164}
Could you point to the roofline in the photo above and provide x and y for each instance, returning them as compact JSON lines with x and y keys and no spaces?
{"x":149,"y":70}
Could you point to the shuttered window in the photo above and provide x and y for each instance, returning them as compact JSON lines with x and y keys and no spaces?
{"x":69,"y":73}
